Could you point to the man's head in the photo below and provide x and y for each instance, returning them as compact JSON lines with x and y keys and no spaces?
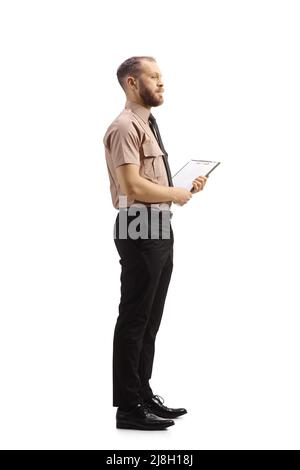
{"x":141,"y":80}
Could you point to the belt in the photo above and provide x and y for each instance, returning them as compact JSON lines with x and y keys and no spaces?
{"x":149,"y":209}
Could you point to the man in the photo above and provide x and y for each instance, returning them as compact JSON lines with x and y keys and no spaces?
{"x":140,"y":179}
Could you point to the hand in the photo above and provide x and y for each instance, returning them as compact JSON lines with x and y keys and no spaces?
{"x":198,"y":184}
{"x":181,"y":196}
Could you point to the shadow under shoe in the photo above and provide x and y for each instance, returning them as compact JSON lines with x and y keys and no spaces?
{"x":140,"y":418}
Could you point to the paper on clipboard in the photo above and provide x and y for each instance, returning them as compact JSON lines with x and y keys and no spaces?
{"x":191,"y":170}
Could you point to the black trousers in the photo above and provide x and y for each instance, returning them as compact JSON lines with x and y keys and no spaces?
{"x":146,"y":268}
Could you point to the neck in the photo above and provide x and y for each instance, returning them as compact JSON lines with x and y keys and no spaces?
{"x":137,"y":100}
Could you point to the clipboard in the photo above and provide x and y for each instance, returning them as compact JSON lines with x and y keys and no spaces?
{"x":191,"y":170}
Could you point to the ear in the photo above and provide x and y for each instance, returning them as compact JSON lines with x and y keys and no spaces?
{"x":131,"y":82}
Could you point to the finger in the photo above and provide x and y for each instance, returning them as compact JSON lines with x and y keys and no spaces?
{"x":198,"y":185}
{"x":202,"y":179}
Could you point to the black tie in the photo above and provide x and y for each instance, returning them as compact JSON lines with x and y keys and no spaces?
{"x":154,"y":127}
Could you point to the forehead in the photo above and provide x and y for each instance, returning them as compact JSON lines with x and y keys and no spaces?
{"x":148,"y":67}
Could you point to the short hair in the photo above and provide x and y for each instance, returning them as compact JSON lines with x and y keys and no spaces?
{"x":131,"y":66}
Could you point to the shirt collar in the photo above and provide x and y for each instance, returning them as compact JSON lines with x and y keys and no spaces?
{"x":138,"y":109}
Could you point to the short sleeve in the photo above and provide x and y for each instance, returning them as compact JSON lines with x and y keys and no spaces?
{"x":123,"y":144}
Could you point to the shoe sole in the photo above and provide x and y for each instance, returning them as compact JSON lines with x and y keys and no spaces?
{"x":141,"y":427}
{"x":169,"y":416}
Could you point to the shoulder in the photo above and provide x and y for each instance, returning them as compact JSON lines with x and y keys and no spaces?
{"x":123,"y":126}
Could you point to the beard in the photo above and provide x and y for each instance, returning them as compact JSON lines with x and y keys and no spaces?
{"x":149,"y":97}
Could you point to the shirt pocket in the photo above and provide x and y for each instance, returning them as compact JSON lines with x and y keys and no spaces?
{"x":152,"y":159}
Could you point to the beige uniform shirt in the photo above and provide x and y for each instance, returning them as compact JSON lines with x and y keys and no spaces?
{"x":129,"y":139}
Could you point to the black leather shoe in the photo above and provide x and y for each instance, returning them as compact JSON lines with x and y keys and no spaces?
{"x":155,"y":406}
{"x":140,"y":418}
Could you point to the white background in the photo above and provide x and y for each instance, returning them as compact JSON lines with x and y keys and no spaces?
{"x":228,"y":348}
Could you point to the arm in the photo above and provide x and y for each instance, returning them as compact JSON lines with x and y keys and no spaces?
{"x":124,"y":144}
{"x":136,"y":187}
